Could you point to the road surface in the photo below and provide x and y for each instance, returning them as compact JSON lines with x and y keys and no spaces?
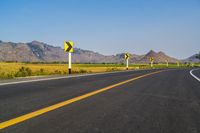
{"x":125,"y":102}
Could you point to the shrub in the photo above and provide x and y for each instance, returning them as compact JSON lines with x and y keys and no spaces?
{"x":82,"y":71}
{"x":42,"y":70}
{"x":112,"y":69}
{"x":23,"y":72}
{"x":57,"y":72}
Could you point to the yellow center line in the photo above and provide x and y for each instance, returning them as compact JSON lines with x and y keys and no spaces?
{"x":64,"y":103}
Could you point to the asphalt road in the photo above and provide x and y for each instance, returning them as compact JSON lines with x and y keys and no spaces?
{"x":165,"y":102}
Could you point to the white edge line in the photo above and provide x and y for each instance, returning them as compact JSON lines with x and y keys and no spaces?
{"x":63,"y":77}
{"x":194,"y":75}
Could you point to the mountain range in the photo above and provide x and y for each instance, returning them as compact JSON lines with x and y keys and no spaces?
{"x":194,"y":58}
{"x":36,"y":51}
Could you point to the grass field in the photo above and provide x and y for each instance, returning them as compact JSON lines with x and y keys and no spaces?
{"x":13,"y":70}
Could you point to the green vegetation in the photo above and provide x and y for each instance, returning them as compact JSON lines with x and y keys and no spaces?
{"x":13,"y":70}
{"x":23,"y":72}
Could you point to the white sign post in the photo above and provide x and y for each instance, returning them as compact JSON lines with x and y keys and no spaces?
{"x":68,"y":47}
{"x":151,"y":63}
{"x":178,"y":64}
{"x":70,"y":63}
{"x":126,"y":56}
{"x":126,"y":64}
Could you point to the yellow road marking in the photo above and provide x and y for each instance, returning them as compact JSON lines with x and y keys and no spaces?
{"x":64,"y":103}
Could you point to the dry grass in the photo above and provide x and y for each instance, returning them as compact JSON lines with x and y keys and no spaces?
{"x":9,"y":70}
{"x":12,"y":70}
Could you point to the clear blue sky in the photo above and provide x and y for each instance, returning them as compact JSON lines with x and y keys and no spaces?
{"x":106,"y":26}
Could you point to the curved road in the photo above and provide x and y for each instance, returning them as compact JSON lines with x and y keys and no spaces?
{"x":164,"y":102}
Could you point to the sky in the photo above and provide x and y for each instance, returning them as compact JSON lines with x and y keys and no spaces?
{"x":106,"y":26}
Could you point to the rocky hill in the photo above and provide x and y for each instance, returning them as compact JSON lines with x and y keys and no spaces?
{"x":194,"y":58}
{"x":41,"y":52}
{"x":159,"y":57}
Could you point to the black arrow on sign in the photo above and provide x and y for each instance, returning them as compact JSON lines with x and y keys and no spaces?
{"x":69,"y":46}
{"x":127,"y":56}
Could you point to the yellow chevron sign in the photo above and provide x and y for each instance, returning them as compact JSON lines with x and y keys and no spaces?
{"x":126,"y":56}
{"x":68,"y":46}
{"x":151,"y":59}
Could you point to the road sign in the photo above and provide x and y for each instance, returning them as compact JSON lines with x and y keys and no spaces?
{"x":68,"y":46}
{"x":178,"y":64}
{"x":126,"y":56}
{"x":151,"y":60}
{"x":167,"y":62}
